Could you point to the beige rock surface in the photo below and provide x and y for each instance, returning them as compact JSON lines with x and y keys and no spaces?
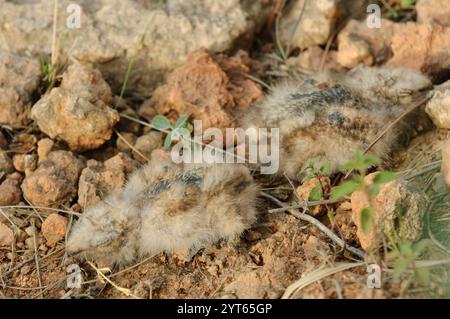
{"x":54,"y":181}
{"x":78,"y":112}
{"x":19,"y":79}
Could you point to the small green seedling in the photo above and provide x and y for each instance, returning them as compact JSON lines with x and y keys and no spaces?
{"x":174,"y":132}
{"x":404,"y":256}
{"x":361,"y":164}
{"x":45,"y":65}
{"x":315,"y":168}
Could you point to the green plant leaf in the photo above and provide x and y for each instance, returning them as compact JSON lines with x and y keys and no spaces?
{"x":331,"y":217}
{"x":310,"y":163}
{"x":325,"y":168}
{"x":367,"y":219}
{"x":399,"y":267}
{"x":181,"y":121}
{"x":370,"y":160}
{"x":344,"y":189}
{"x":160,"y":122}
{"x":168,"y":141}
{"x":189,"y":127}
{"x":350,"y":165}
{"x":407,"y":4}
{"x":315,"y":194}
{"x":406,"y":249}
{"x":307,"y":177}
{"x":385,"y":177}
{"x":419,"y":247}
{"x":423,"y":275}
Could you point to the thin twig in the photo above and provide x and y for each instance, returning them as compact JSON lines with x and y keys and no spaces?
{"x":36,"y":256}
{"x":55,"y":25}
{"x":42,"y":207}
{"x":307,"y":204}
{"x":294,"y":30}
{"x":131,"y":146}
{"x":125,"y":291}
{"x":277,"y":32}
{"x":319,"y":225}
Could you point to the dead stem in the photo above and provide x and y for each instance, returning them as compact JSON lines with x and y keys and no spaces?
{"x":318,"y":224}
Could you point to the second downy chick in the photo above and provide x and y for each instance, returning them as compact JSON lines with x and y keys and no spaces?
{"x":167,"y":207}
{"x":332,"y":116}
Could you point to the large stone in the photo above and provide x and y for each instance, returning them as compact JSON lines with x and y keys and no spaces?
{"x":114,"y":32}
{"x":433,"y":11}
{"x":318,"y":20}
{"x":55,"y":180}
{"x":422,"y":47}
{"x":54,"y":228}
{"x":316,"y":25}
{"x":98,"y":179}
{"x":78,"y":112}
{"x":438,"y":108}
{"x":19,"y":79}
{"x":10,"y":192}
{"x":394,"y":202}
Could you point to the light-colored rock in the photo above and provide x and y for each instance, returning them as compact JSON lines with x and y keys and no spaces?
{"x":446,"y":161}
{"x":54,"y":181}
{"x":433,"y":11}
{"x":98,"y":179}
{"x":353,"y":51}
{"x":145,"y":144}
{"x":10,"y":192}
{"x":304,"y":192}
{"x":19,"y":79}
{"x":44,"y":148}
{"x":422,"y":47}
{"x":25,"y":163}
{"x":311,"y":60}
{"x":438,"y":108}
{"x":54,"y":228}
{"x":114,"y":31}
{"x":394,"y":198}
{"x":316,"y":24}
{"x":6,"y":236}
{"x":6,"y":165}
{"x":357,"y":43}
{"x":78,"y":111}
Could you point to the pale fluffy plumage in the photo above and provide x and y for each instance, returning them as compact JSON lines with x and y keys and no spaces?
{"x":167,"y":207}
{"x":334,"y":115}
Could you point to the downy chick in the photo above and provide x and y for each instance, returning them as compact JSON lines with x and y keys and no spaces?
{"x":167,"y":207}
{"x":334,"y":115}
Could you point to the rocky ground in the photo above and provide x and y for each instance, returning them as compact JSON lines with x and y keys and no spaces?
{"x":73,"y":126}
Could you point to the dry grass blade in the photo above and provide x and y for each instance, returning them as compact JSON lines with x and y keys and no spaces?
{"x":131,"y":146}
{"x":36,"y":257}
{"x":125,"y":291}
{"x":41,"y":207}
{"x":319,"y":225}
{"x":293,"y":290}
